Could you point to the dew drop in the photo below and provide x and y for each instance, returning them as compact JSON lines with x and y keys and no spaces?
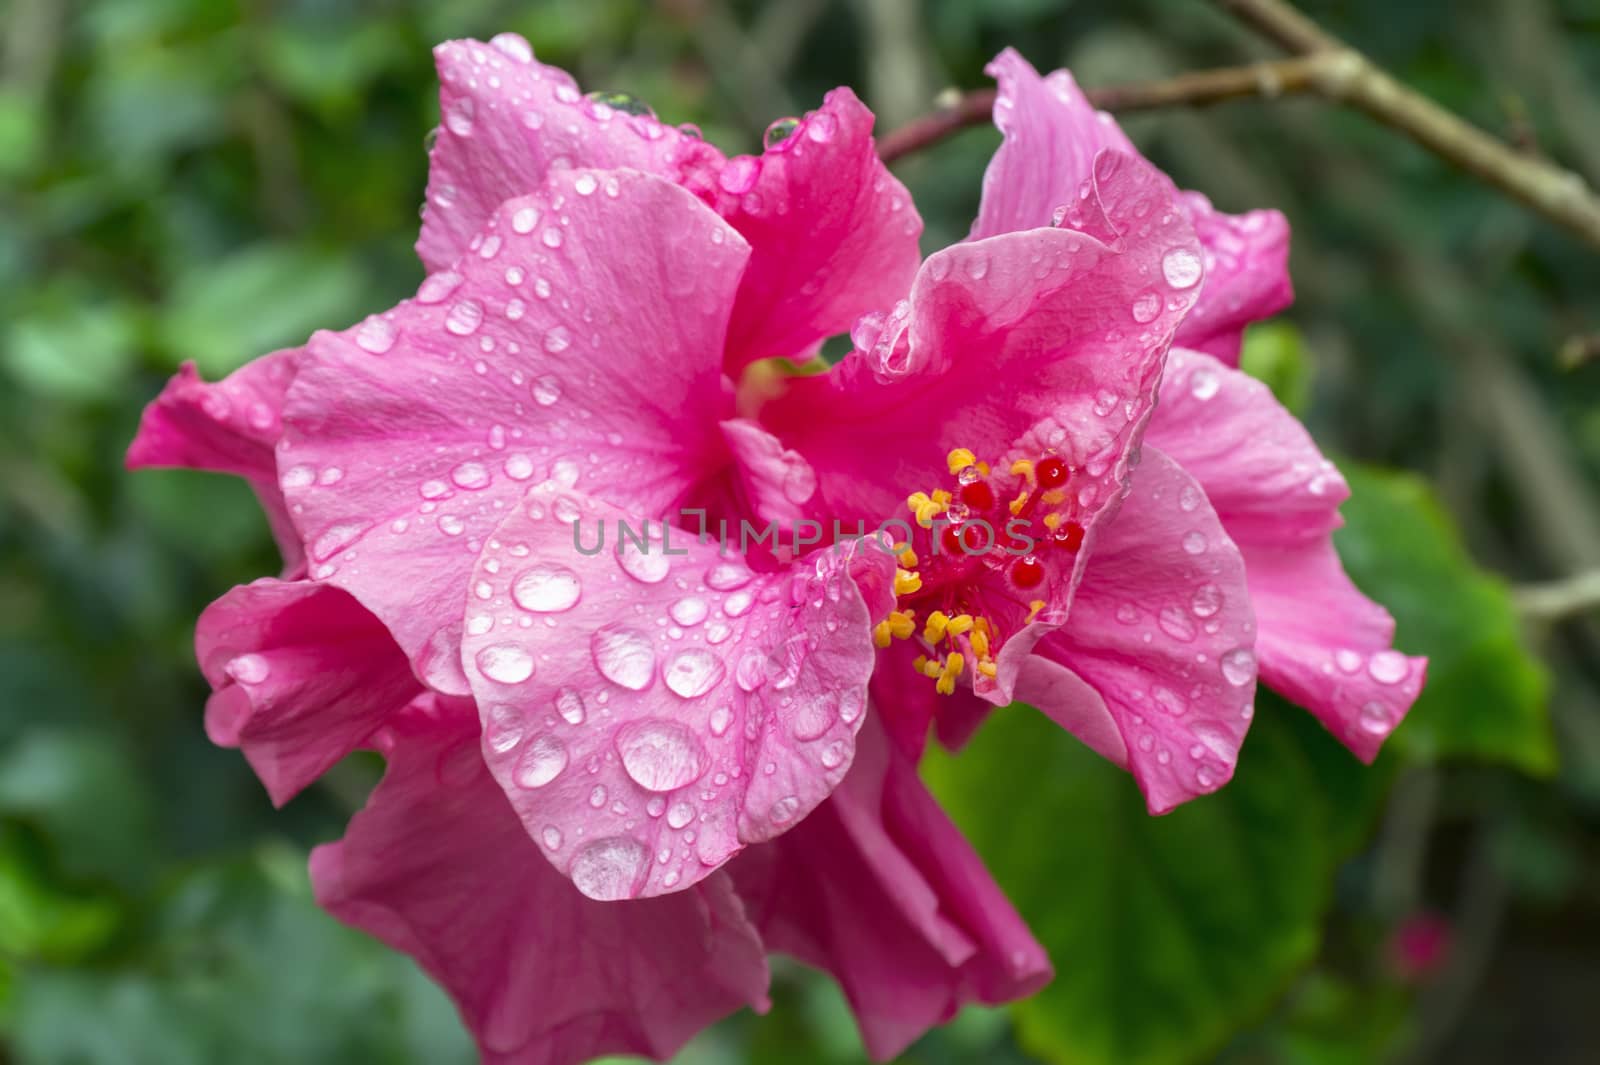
{"x":505,"y":663}
{"x":376,"y":335}
{"x":660,"y":755}
{"x":1238,"y":666}
{"x":1181,"y":268}
{"x":691,"y":674}
{"x":542,"y":761}
{"x":547,"y":589}
{"x":623,"y":656}
{"x":248,"y":669}
{"x":608,"y":869}
{"x":1388,"y":667}
{"x":464,"y":318}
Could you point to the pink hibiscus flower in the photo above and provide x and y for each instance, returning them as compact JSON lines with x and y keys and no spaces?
{"x":566,"y":728}
{"x":1004,"y":405}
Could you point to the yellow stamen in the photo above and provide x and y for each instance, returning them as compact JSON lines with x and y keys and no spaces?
{"x":959,"y":625}
{"x":960,"y":459}
{"x":902,"y":623}
{"x":906,"y":582}
{"x":927,"y":512}
{"x":1022,"y":468}
{"x":934,"y":630}
{"x":930,"y":667}
{"x":881,"y":634}
{"x":946,"y":684}
{"x":1052,"y":521}
{"x":1034,"y":608}
{"x":942,"y":497}
{"x":988,"y":669}
{"x":1016,"y":504}
{"x":916,"y":500}
{"x":908,"y":558}
{"x":980,"y":641}
{"x":983,"y":468}
{"x":1055,"y":496}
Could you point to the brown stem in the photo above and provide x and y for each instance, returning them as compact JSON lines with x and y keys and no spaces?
{"x":1195,"y":89}
{"x":1326,"y":68}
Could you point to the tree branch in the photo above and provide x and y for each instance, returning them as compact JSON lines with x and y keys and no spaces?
{"x":1195,"y":89}
{"x":1326,"y":68}
{"x":1555,"y":600}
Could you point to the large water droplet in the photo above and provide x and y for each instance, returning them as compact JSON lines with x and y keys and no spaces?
{"x":608,"y":869}
{"x":1146,"y":306}
{"x":470,"y":475}
{"x":458,"y":116}
{"x":569,"y":704}
{"x":624,"y":656}
{"x":694,"y":672}
{"x":648,"y":565}
{"x":1181,"y":268}
{"x":542,"y":761}
{"x":547,"y":589}
{"x":546,"y":391}
{"x":464,"y":317}
{"x":505,"y":663}
{"x":1388,"y":667}
{"x":726,"y":576}
{"x":690,"y":610}
{"x":1238,"y":666}
{"x":660,"y":755}
{"x":376,"y":335}
{"x":1203,"y":384}
{"x":248,"y":669}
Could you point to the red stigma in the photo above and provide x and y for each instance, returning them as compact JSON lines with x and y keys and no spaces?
{"x":1027,"y":572}
{"x":978,"y":495}
{"x":1069,"y":536}
{"x":1051,"y":472}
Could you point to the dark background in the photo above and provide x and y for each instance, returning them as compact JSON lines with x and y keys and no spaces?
{"x":211,"y":179}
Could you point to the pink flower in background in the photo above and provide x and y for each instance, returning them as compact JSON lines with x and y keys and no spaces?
{"x":619,"y":777}
{"x":1013,"y":389}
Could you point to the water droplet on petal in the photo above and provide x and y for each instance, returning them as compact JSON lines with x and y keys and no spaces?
{"x":376,"y":335}
{"x":542,"y":761}
{"x":1146,"y":306}
{"x":1388,"y":667}
{"x":505,"y":663}
{"x":660,"y":755}
{"x":624,"y":656}
{"x":692,"y":673}
{"x":464,"y":318}
{"x":1238,"y":666}
{"x":248,"y":669}
{"x":1181,"y":268}
{"x":546,"y":391}
{"x":547,"y":589}
{"x":690,"y":610}
{"x":557,"y":340}
{"x":608,"y":869}
{"x":726,"y":576}
{"x":1203,"y":384}
{"x":436,"y":287}
{"x":470,"y":475}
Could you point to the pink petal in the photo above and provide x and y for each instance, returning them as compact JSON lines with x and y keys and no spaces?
{"x":581,"y":343}
{"x":1045,"y":340}
{"x":231,"y":426}
{"x":832,"y":233}
{"x":1052,"y":135}
{"x":438,"y":866}
{"x":1247,"y":276}
{"x":1322,"y":643}
{"x":508,"y":121}
{"x":1162,"y":629}
{"x":663,"y":704}
{"x":776,"y":483}
{"x":301,"y":676}
{"x":878,"y":888}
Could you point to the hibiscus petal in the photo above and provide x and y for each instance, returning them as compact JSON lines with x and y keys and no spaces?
{"x":660,"y":707}
{"x":438,"y":866}
{"x":301,"y":676}
{"x":581,"y":343}
{"x":1163,"y":630}
{"x":509,"y":120}
{"x":1247,"y":276}
{"x":832,"y":233}
{"x":1322,"y":643}
{"x":880,"y":889}
{"x":1052,"y":134}
{"x":230,"y":426}
{"x":775,"y":482}
{"x":1048,"y":339}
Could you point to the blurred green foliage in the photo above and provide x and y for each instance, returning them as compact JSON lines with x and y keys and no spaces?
{"x":211,"y":179}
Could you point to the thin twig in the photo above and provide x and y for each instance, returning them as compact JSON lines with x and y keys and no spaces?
{"x":1195,"y":89}
{"x":1555,"y":600}
{"x":1334,"y":72}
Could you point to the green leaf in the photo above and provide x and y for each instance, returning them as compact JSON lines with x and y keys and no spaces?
{"x":266,"y":297}
{"x":1167,"y":933}
{"x":1486,"y":696}
{"x":1274,"y":353}
{"x":76,"y":353}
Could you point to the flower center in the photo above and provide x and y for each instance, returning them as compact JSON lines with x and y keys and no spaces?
{"x":976,"y":552}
